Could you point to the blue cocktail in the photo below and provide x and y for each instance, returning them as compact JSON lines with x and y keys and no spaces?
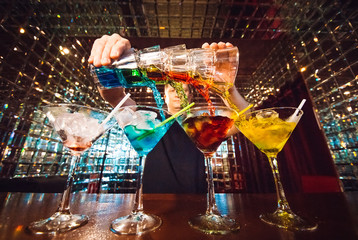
{"x":144,"y":126}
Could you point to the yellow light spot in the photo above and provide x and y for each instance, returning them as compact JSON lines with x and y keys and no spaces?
{"x":22,"y":31}
{"x":302,"y":69}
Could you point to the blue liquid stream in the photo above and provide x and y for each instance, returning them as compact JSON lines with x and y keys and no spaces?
{"x":127,"y":78}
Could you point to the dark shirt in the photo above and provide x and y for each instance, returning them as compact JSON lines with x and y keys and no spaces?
{"x":175,"y":165}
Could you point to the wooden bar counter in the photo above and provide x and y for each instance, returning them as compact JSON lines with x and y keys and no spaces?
{"x":336,"y":214}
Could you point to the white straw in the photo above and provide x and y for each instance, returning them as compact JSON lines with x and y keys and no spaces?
{"x":299,"y":107}
{"x":293,"y":117}
{"x":110,"y":115}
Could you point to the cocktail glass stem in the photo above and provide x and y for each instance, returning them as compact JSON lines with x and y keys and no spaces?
{"x":64,"y":206}
{"x":282,"y":202}
{"x":138,"y":221}
{"x":62,"y":220}
{"x":138,"y":200}
{"x":284,"y":217}
{"x":211,"y":202}
{"x":212,"y":222}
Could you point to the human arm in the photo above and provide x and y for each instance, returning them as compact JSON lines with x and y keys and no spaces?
{"x":104,"y":50}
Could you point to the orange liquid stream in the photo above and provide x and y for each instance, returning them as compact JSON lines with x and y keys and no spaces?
{"x":198,"y":83}
{"x":201,"y":85}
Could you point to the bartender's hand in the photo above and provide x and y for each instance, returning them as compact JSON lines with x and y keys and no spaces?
{"x":235,"y":96}
{"x":104,"y":50}
{"x":216,"y":46}
{"x":225,"y":70}
{"x":108,"y":48}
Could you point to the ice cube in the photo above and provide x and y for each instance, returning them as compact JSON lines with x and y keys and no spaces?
{"x":125,"y":117}
{"x":61,"y":121}
{"x":156,"y":122}
{"x":90,"y":129}
{"x":149,"y":115}
{"x":145,"y":124}
{"x":267,"y":114}
{"x":77,"y":125}
{"x":145,"y":119}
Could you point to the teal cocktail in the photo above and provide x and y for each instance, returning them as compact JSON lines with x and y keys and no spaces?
{"x":144,"y":136}
{"x":144,"y":126}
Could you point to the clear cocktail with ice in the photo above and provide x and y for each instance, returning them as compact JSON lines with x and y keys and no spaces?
{"x":78,"y":127}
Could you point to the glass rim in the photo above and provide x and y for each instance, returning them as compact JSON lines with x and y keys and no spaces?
{"x":273,"y":108}
{"x":146,"y":106}
{"x":72,"y":104}
{"x":214,"y":105}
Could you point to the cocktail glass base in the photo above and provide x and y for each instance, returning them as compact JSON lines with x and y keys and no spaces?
{"x":214,"y":224}
{"x":135,"y":224}
{"x":57,"y":223}
{"x":288,"y":221}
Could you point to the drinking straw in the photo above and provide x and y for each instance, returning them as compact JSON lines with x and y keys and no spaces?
{"x":245,"y":109}
{"x":299,"y":107}
{"x":293,"y":117}
{"x":174,"y":115}
{"x":110,"y":115}
{"x":165,"y":121}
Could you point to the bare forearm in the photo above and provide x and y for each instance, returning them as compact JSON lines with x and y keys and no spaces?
{"x":237,"y":99}
{"x":114,"y":95}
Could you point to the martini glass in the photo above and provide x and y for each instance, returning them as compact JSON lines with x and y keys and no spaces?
{"x":144,"y":126}
{"x":207,"y":131}
{"x":78,"y":127}
{"x":269,"y":129}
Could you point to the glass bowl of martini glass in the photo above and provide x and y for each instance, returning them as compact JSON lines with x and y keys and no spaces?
{"x":144,"y":126}
{"x":78,"y":127}
{"x":269,"y":129}
{"x":208,"y":127}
